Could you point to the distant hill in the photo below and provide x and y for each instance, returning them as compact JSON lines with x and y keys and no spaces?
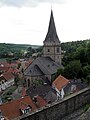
{"x":14,"y":48}
{"x":18,"y":49}
{"x":4,"y":47}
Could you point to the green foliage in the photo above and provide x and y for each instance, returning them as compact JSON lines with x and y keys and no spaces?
{"x":77,"y":51}
{"x":86,"y":70}
{"x":15,"y":51}
{"x":85,"y":108}
{"x":7,"y":95}
{"x":59,"y":72}
{"x":88,"y":79}
{"x":81,"y":54}
{"x":37,"y":82}
{"x":72,"y":69}
{"x":39,"y":49}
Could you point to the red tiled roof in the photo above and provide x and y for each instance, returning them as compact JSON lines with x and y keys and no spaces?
{"x":14,"y":65}
{"x":4,"y":68}
{"x":8,"y":75}
{"x":13,"y":70}
{"x":40,"y":101}
{"x":5,"y":64}
{"x":12,"y":110}
{"x":60,"y":82}
{"x":23,"y":106}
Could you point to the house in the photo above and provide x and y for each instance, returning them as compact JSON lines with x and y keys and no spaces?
{"x":6,"y":80}
{"x":16,"y":108}
{"x":4,"y":67}
{"x":74,"y":86}
{"x":59,"y":85}
{"x":51,"y":96}
{"x":45,"y":91}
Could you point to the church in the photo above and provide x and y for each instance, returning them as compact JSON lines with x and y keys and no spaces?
{"x":45,"y":67}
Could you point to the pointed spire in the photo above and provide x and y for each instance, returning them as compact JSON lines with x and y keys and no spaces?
{"x":52,"y":33}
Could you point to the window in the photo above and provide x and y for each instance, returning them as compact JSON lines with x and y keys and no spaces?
{"x":2,"y":82}
{"x":48,"y":50}
{"x":58,"y":50}
{"x":27,"y":110}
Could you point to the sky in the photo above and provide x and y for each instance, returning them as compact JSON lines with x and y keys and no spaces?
{"x":26,"y":21}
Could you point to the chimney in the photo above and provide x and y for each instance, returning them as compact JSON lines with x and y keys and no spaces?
{"x":35,"y":99}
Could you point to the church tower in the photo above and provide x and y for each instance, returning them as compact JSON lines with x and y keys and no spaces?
{"x":52,"y":44}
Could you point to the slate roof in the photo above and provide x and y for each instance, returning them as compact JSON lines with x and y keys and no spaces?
{"x":41,"y":66}
{"x":40,"y":102}
{"x":39,"y":90}
{"x":52,"y":33}
{"x":79,"y":85}
{"x":51,"y":96}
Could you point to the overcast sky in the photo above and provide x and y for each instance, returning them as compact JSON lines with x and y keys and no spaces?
{"x":26,"y":21}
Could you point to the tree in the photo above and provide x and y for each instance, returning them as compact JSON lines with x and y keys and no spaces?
{"x":80,"y":54}
{"x":88,"y":52}
{"x":88,"y":79}
{"x":86,"y":71}
{"x":72,"y":69}
{"x":59,"y":72}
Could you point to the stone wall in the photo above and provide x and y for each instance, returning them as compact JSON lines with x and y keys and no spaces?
{"x":52,"y":52}
{"x":85,"y":116}
{"x":59,"y":109}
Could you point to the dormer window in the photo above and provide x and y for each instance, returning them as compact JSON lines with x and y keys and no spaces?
{"x":25,"y":109}
{"x":3,"y":82}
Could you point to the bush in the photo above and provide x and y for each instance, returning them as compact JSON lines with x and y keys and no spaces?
{"x":86,"y":107}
